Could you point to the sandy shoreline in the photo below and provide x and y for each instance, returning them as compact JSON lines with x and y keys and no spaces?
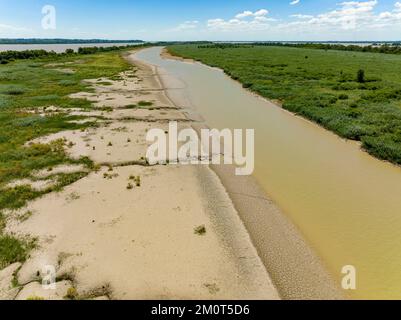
{"x":294,"y":267}
{"x":128,"y":230}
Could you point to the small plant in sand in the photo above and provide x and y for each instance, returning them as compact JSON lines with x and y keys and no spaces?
{"x":110,"y":144}
{"x":120,"y":129}
{"x":145,"y":103}
{"x":25,"y":216}
{"x":200,"y":231}
{"x":212,"y":287}
{"x":138,"y":181}
{"x":131,"y":106}
{"x":106,"y":109}
{"x":72,"y":294}
{"x":110,"y":176}
{"x":35,"y":298}
{"x":71,"y":144}
{"x":128,"y":140}
{"x":73,"y":196}
{"x":130,"y":186}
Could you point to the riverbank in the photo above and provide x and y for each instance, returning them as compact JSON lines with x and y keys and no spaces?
{"x":295,"y":268}
{"x":128,"y":230}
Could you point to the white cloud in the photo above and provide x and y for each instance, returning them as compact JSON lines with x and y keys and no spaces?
{"x":244,"y":21}
{"x":294,"y":2}
{"x":187,"y":25}
{"x":301,"y":16}
{"x":244,"y":14}
{"x":261,"y":12}
{"x":6,"y":27}
{"x":350,"y":15}
{"x":349,"y":20}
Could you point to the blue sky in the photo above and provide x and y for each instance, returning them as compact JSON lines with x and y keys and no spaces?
{"x":206,"y":20}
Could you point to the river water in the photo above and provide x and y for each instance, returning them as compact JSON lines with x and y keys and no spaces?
{"x":346,"y":203}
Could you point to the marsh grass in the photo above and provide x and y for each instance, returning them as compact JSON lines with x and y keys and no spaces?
{"x":130,"y":106}
{"x":145,"y":104}
{"x":13,"y":250}
{"x":354,"y":94}
{"x":34,"y":84}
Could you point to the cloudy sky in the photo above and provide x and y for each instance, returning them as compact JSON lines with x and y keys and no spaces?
{"x":205,"y":20}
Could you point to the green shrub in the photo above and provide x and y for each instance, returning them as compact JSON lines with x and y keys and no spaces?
{"x":360,"y":77}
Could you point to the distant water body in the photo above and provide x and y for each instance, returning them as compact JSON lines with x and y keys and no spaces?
{"x":59,"y":48}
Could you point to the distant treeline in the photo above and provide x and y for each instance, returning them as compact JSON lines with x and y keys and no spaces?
{"x":9,"y":56}
{"x":63,"y":41}
{"x":173,"y":43}
{"x":394,"y":48}
{"x":225,"y":46}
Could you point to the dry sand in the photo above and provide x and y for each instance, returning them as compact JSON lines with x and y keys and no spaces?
{"x":110,"y":237}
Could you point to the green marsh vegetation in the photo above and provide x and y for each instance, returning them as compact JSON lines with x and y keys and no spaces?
{"x":354,"y":94}
{"x":33,"y":84}
{"x":388,"y":48}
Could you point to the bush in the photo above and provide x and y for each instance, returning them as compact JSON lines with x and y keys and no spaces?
{"x":360,"y":77}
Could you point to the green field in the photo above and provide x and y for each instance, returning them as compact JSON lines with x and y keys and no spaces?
{"x":322,"y":86}
{"x":36,"y":83}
